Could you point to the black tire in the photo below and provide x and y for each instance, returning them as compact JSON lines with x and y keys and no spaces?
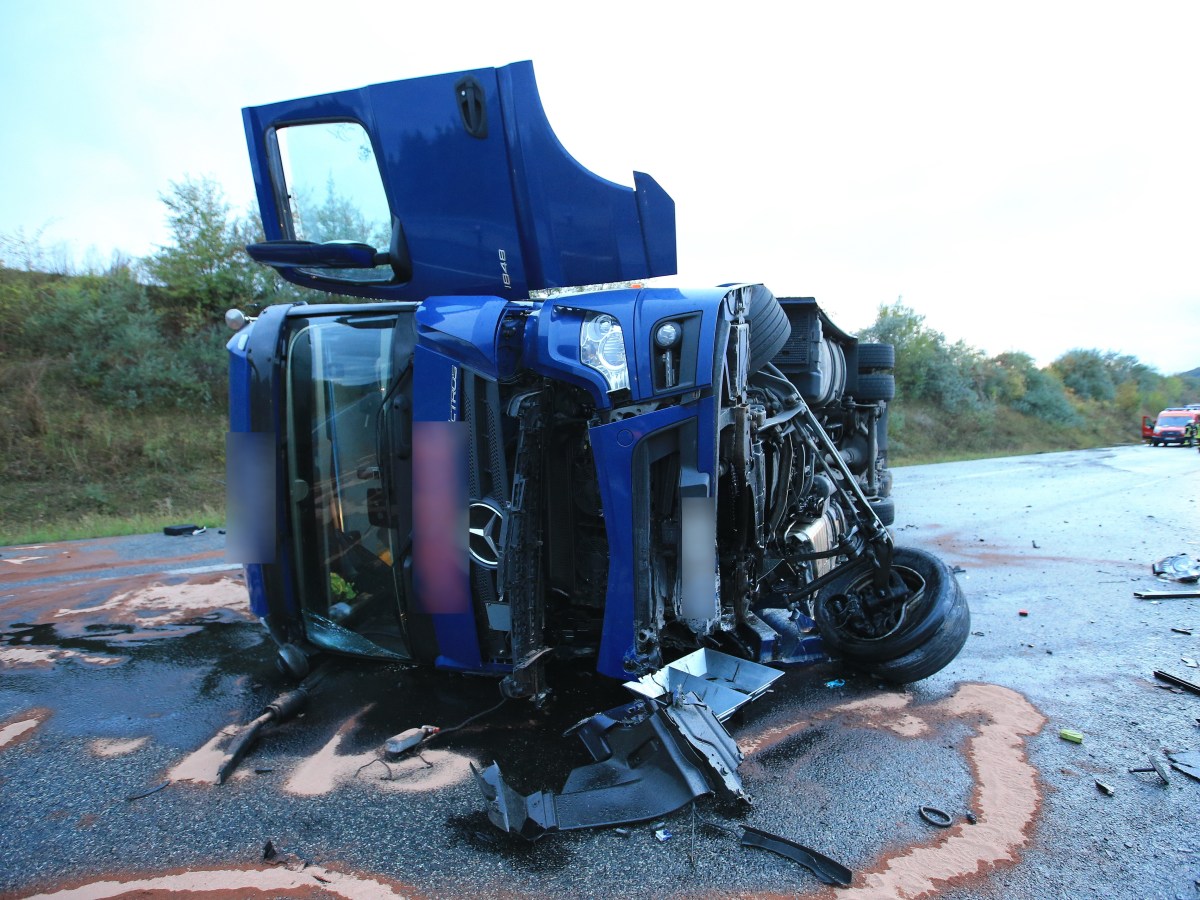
{"x":924,"y":612}
{"x":292,"y":662}
{"x":885,"y":508}
{"x":933,"y":655}
{"x":875,"y":387}
{"x":769,"y":327}
{"x":876,"y":356}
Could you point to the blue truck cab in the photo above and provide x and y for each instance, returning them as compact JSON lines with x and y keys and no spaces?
{"x":492,"y":444}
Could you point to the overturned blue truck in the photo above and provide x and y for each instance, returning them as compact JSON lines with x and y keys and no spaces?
{"x":501,"y":448}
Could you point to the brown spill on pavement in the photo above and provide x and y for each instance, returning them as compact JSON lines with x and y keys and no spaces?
{"x":315,"y":882}
{"x":45,"y":657}
{"x":327,"y":769}
{"x":208,"y":595}
{"x":1006,"y":798}
{"x":150,"y":607}
{"x":94,"y":558}
{"x":200,"y":766}
{"x":106,"y":747}
{"x":21,"y":727}
{"x":970,"y":549}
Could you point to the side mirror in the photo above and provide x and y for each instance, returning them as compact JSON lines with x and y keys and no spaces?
{"x":310,"y":255}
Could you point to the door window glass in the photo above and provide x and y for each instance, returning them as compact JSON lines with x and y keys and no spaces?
{"x":334,"y":190}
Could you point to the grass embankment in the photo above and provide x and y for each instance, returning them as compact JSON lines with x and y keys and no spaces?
{"x":921,"y":434}
{"x":82,"y":471}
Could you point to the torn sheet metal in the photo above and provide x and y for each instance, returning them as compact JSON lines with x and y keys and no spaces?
{"x":650,"y":760}
{"x":724,"y":683}
{"x":1181,"y":568}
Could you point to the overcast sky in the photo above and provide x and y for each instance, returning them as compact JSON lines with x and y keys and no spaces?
{"x":1024,"y":175}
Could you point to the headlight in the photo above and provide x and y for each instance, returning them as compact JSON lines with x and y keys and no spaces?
{"x":602,"y":347}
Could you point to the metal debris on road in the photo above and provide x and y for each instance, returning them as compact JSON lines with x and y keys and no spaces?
{"x":1157,"y":768}
{"x":1104,"y":788}
{"x":282,"y":708}
{"x":153,"y":790}
{"x":1187,"y":762}
{"x":1182,"y":630}
{"x":651,"y":758}
{"x":1177,"y":681}
{"x":828,"y":871}
{"x":1166,"y":595}
{"x":1180,"y":567}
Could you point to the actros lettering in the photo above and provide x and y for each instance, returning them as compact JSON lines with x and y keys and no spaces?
{"x":453,"y":394}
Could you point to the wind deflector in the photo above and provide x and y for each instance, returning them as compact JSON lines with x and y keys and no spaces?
{"x":480,"y":191}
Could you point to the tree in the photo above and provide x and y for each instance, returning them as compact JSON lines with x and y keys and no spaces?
{"x":927,"y":368}
{"x":206,"y":270}
{"x":1087,"y":374}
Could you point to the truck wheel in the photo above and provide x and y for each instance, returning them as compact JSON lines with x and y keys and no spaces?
{"x":876,"y":356}
{"x":866,"y":637}
{"x":769,"y":327}
{"x":933,"y":655}
{"x":875,"y":387}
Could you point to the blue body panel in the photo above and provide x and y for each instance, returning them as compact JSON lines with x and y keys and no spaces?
{"x":614,"y":446}
{"x":503,"y":213}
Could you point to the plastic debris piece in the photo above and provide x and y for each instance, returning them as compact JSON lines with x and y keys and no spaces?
{"x":662,"y":835}
{"x":971,"y":817}
{"x":1155,"y":596}
{"x":623,"y":832}
{"x":1182,"y":630}
{"x":835,"y":683}
{"x":1189,"y":662}
{"x":828,"y":871}
{"x":406,"y":740}
{"x":934,"y":816}
{"x":177,"y":530}
{"x":1070,"y":734}
{"x":1022,"y":612}
{"x":1104,"y":788}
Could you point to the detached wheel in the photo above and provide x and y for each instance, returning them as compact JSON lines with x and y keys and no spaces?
{"x":907,"y":635}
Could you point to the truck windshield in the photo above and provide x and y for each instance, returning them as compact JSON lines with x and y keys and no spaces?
{"x":338,"y":374}
{"x":1174,"y":421}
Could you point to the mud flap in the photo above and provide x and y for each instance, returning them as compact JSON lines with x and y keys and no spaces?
{"x":650,"y":760}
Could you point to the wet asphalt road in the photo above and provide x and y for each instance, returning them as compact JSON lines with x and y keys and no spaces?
{"x":124,"y":662}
